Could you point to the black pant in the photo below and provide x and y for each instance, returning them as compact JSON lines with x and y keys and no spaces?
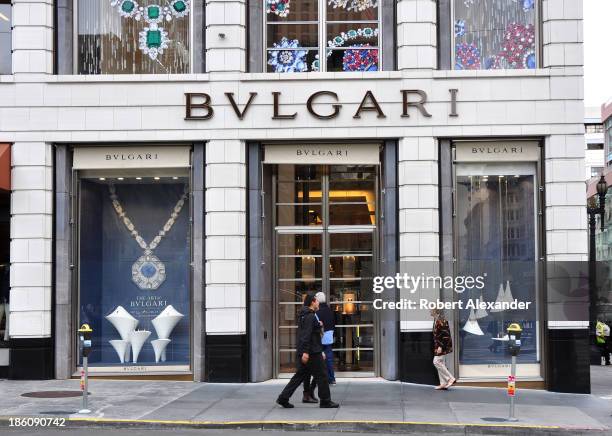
{"x":603,"y":349}
{"x":314,"y":367}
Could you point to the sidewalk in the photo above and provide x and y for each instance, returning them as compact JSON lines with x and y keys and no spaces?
{"x":366,"y":405}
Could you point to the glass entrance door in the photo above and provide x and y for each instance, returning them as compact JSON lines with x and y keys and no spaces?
{"x":325,"y":222}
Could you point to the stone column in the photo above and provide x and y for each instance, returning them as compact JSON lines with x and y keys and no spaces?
{"x":226,"y":36}
{"x":32,"y":37}
{"x":416,"y":35}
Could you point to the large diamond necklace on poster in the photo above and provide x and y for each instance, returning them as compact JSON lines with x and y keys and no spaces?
{"x":153,"y":39}
{"x":148,"y":272}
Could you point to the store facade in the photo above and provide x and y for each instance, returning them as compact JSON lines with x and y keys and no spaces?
{"x":196,"y":187}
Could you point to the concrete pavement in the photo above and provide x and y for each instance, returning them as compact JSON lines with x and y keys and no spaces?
{"x":367,"y":405}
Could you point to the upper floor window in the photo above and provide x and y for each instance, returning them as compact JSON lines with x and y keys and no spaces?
{"x":490,"y":35}
{"x":594,"y":128}
{"x":133,"y":37}
{"x":322,"y":35}
{"x":5,"y":37}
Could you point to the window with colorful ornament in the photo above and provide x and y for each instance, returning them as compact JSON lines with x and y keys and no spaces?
{"x":495,"y":34}
{"x":326,"y":35}
{"x":5,"y":37}
{"x":133,"y":36}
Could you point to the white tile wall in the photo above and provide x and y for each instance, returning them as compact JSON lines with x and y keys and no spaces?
{"x":225,"y":237}
{"x":31,"y":235}
{"x":416,"y":34}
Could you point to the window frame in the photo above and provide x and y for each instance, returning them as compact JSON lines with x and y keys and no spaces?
{"x":537,"y":31}
{"x":75,"y":42}
{"x":322,"y":24}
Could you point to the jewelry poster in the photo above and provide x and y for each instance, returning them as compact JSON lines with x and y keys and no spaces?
{"x":134,"y":270}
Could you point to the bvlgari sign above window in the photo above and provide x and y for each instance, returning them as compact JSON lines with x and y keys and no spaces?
{"x":495,"y":151}
{"x":322,"y":154}
{"x":130,"y":157}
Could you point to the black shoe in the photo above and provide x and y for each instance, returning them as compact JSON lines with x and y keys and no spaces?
{"x":309,"y":399}
{"x":284,"y":403}
{"x":332,"y":382}
{"x":329,"y":404}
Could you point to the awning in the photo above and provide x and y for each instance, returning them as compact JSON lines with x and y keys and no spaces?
{"x":5,"y":167}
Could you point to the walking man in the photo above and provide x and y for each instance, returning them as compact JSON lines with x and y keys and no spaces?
{"x":310,"y":357}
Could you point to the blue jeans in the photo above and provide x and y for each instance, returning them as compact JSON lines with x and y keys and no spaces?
{"x":329,"y":357}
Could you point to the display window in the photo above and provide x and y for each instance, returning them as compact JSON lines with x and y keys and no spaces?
{"x":134,"y":268}
{"x":491,"y":35}
{"x":124,"y":37}
{"x":339,"y":35}
{"x":497,"y":237}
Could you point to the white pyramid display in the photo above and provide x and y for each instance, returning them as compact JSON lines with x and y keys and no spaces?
{"x":480,"y":312}
{"x":508,"y":298}
{"x":472,"y":326}
{"x":501,"y":295}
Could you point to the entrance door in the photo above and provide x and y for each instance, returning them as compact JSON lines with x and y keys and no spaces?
{"x":325,"y":222}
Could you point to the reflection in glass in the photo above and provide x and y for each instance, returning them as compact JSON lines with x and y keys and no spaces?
{"x":497,"y":237}
{"x":109,"y":43}
{"x":495,"y":34}
{"x":5,"y":39}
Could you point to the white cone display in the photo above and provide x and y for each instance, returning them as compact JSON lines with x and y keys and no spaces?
{"x":137,"y":339}
{"x":165,"y":322}
{"x":123,"y":322}
{"x":480,"y":312}
{"x":159,"y":347}
{"x":120,"y":347}
{"x":508,"y":294}
{"x":501,"y":295}
{"x":472,"y":326}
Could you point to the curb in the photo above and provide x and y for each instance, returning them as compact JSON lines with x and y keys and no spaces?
{"x":403,"y":427}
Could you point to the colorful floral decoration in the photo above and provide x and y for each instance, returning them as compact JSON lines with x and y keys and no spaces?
{"x":518,"y":44}
{"x":278,"y":7}
{"x":153,"y":39}
{"x":353,"y":5}
{"x":288,"y":61}
{"x":338,"y":41}
{"x":493,"y":62}
{"x":361,"y":59}
{"x":459,"y":28}
{"x":529,"y":60}
{"x":467,"y":57}
{"x":528,"y":4}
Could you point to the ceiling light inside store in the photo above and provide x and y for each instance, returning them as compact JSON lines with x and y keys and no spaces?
{"x":119,"y":178}
{"x":4,"y":17}
{"x":156,"y":178}
{"x":138,"y":178}
{"x":102,"y":178}
{"x":174,"y":178}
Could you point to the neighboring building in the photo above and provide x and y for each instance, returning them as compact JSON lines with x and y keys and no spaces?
{"x":231,"y":158}
{"x":595,"y":159}
{"x":606,"y":119}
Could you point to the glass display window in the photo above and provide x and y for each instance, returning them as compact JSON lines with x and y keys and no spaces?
{"x":125,"y":37}
{"x":5,"y":37}
{"x":134,"y":255}
{"x":339,"y":35}
{"x":496,"y":236}
{"x":491,"y":35}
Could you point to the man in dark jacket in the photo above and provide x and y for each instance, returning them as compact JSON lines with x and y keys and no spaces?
{"x":310,"y":356}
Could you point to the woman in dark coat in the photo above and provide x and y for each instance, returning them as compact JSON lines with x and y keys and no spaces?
{"x":443,"y":345}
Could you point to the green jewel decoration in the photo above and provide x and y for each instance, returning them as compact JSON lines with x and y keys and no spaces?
{"x":153,"y":39}
{"x":179,"y":6}
{"x":128,"y":6}
{"x":153,"y":12}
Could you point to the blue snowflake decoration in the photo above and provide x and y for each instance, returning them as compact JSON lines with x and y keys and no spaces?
{"x":529,"y":60}
{"x":287,"y":61}
{"x":459,"y":28}
{"x":528,"y":4}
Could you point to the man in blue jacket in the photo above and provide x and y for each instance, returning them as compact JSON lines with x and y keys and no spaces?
{"x":310,"y":357}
